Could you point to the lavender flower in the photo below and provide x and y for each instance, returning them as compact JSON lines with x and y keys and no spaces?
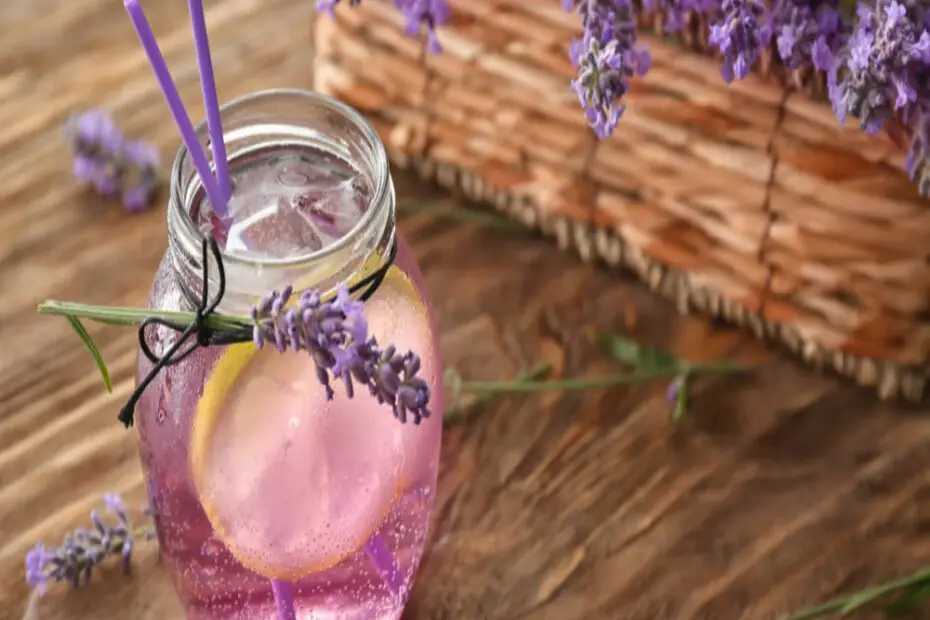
{"x":429,"y":13}
{"x":335,"y":334}
{"x":887,"y":68}
{"x":82,"y":550}
{"x":674,"y":389}
{"x":740,"y":35}
{"x":606,"y":58}
{"x":676,"y":12}
{"x":108,"y":161}
{"x":809,"y":31}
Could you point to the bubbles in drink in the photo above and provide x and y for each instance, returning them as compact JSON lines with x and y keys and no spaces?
{"x":287,"y":202}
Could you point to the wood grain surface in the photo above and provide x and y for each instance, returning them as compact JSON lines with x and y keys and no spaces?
{"x":781,"y":488}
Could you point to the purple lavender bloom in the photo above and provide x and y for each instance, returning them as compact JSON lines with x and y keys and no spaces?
{"x":83,"y":550}
{"x":335,"y":334}
{"x":741,"y":34}
{"x":886,"y":72}
{"x":113,"y":165}
{"x":96,"y":127}
{"x":429,"y":13}
{"x":673,"y":389}
{"x":676,"y":12}
{"x":606,"y":58}
{"x":809,"y":31}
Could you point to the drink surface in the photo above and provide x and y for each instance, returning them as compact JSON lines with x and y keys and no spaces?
{"x":289,"y":484}
{"x":286,"y":202}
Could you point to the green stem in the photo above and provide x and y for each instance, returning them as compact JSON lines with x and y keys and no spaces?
{"x":850,"y":603}
{"x":533,"y":373}
{"x":114,"y":315}
{"x":588,"y":383}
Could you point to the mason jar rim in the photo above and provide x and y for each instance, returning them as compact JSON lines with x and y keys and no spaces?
{"x":178,"y":208}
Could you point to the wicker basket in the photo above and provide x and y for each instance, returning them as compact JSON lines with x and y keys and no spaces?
{"x":747,"y":202}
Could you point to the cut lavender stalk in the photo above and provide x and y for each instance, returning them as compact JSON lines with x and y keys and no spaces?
{"x":175,"y":105}
{"x":334,"y":332}
{"x":335,"y":335}
{"x":84,"y":550}
{"x":210,"y":102}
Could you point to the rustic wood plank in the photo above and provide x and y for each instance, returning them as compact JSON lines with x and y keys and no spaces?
{"x":780,"y":488}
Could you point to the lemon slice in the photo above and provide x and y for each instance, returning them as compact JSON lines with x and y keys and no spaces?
{"x":293,"y":483}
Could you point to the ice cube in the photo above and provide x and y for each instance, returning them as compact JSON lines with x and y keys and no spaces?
{"x":274,"y":230}
{"x":333,"y":210}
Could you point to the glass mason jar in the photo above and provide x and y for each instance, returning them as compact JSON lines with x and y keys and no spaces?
{"x":330,"y":498}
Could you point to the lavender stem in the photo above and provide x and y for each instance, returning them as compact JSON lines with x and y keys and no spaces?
{"x":284,"y":599}
{"x":384,"y":562}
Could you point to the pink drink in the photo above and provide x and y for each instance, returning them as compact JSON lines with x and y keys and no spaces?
{"x":333,"y":497}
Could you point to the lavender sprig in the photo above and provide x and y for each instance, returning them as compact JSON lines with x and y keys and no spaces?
{"x":887,"y":74}
{"x":112,"y":164}
{"x":677,"y":12}
{"x":429,"y":13}
{"x":740,"y":35}
{"x":335,"y":334}
{"x":84,"y":550}
{"x":809,"y":32}
{"x":417,"y":13}
{"x":887,"y":67}
{"x":606,"y":58}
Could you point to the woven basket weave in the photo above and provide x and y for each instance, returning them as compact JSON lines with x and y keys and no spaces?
{"x":748,"y":202}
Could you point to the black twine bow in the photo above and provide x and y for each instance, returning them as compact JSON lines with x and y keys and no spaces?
{"x":203,"y":334}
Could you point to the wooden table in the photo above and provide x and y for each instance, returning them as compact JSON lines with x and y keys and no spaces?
{"x":780,"y":488}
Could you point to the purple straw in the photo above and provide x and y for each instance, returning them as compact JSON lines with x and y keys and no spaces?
{"x":383,"y":560}
{"x":284,"y":599}
{"x":170,"y":92}
{"x":208,"y":86}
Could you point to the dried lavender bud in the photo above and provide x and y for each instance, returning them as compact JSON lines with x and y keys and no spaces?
{"x":108,"y":161}
{"x":335,"y":334}
{"x":606,"y":58}
{"x":83,"y":550}
{"x":740,"y":34}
